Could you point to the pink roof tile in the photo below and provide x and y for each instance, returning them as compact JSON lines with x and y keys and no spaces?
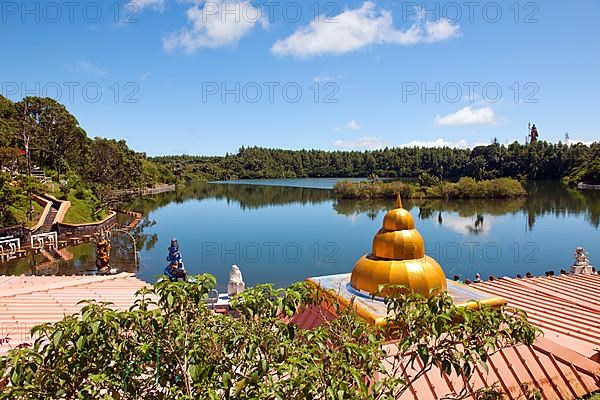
{"x":561,"y":365}
{"x":26,"y":301}
{"x":565,"y":307}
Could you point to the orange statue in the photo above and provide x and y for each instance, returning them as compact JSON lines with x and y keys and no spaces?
{"x":103,"y":255}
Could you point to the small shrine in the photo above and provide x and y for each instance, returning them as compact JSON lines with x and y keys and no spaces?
{"x":397,"y":261}
{"x":581,"y":265}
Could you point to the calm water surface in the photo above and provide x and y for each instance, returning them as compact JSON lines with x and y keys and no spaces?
{"x":283,"y":234}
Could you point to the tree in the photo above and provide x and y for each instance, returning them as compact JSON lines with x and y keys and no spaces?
{"x":8,"y":130}
{"x":113,"y":167}
{"x":8,"y":196}
{"x":59,"y":132}
{"x":9,"y":158}
{"x":28,"y":117}
{"x":170,"y":345}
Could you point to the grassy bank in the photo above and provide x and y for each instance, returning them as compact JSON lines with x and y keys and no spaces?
{"x":84,"y":205}
{"x":465,"y":188}
{"x":19,"y":213}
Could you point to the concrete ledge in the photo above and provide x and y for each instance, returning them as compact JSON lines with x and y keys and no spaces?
{"x":19,"y":232}
{"x":88,"y":228}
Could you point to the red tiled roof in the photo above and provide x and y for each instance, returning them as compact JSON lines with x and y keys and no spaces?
{"x":26,"y":301}
{"x":558,"y":373}
{"x":313,"y":316}
{"x":565,"y":307}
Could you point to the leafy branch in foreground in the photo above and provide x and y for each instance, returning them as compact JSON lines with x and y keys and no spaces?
{"x":433,"y":332}
{"x":170,"y":345}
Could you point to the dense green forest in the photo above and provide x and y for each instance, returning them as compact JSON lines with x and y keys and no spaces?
{"x":541,"y":160}
{"x":41,"y":134}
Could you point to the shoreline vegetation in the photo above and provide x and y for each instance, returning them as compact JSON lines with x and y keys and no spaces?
{"x":97,"y":174}
{"x":465,"y":188}
{"x":572,"y":163}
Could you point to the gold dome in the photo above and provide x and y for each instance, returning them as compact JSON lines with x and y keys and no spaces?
{"x":398,"y":219}
{"x":398,"y":258}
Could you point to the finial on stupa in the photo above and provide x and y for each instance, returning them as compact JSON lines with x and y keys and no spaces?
{"x":398,"y":200}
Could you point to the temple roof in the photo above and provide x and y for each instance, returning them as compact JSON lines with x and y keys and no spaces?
{"x":562,"y":364}
{"x":26,"y":301}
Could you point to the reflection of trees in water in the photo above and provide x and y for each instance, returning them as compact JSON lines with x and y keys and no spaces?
{"x":248,"y":196}
{"x":145,"y":240}
{"x":428,"y":208}
{"x":557,"y":199}
{"x":122,"y":255}
{"x":75,"y":260}
{"x":350,"y":207}
{"x":545,"y":198}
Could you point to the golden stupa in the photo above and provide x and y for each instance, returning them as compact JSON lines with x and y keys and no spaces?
{"x":398,"y":258}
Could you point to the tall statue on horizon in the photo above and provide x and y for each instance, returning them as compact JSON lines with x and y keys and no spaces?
{"x":533,"y":134}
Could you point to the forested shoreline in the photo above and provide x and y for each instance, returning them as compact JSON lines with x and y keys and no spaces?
{"x":538,"y":161}
{"x":41,"y":133}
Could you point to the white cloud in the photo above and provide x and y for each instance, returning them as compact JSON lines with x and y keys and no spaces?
{"x":363,"y":143}
{"x":87,"y":67}
{"x":323,"y":78}
{"x":141,"y":4}
{"x":462,"y":144}
{"x":440,"y":30}
{"x":356,"y":29}
{"x":213,"y":25}
{"x":353,"y":125}
{"x":575,"y":141}
{"x":467,"y":116}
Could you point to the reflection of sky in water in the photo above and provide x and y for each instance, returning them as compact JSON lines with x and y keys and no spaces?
{"x":282,"y":235}
{"x":467,"y":225}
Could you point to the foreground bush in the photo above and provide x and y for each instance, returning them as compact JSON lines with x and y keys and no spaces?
{"x":465,"y":188}
{"x":171,"y":346}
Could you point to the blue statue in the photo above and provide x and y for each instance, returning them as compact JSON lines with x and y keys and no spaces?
{"x":175,"y":270}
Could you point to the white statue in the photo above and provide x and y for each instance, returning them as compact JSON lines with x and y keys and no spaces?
{"x":236,"y":282}
{"x":581,"y":264}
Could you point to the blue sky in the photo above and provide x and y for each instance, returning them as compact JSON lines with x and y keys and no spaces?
{"x":195,"y":77}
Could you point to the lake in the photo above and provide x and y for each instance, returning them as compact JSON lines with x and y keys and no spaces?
{"x":282,"y":234}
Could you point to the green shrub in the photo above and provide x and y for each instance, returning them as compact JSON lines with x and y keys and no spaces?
{"x":170,"y":345}
{"x":465,"y":188}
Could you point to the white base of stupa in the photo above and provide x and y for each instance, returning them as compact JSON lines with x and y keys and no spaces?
{"x":582,"y":269}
